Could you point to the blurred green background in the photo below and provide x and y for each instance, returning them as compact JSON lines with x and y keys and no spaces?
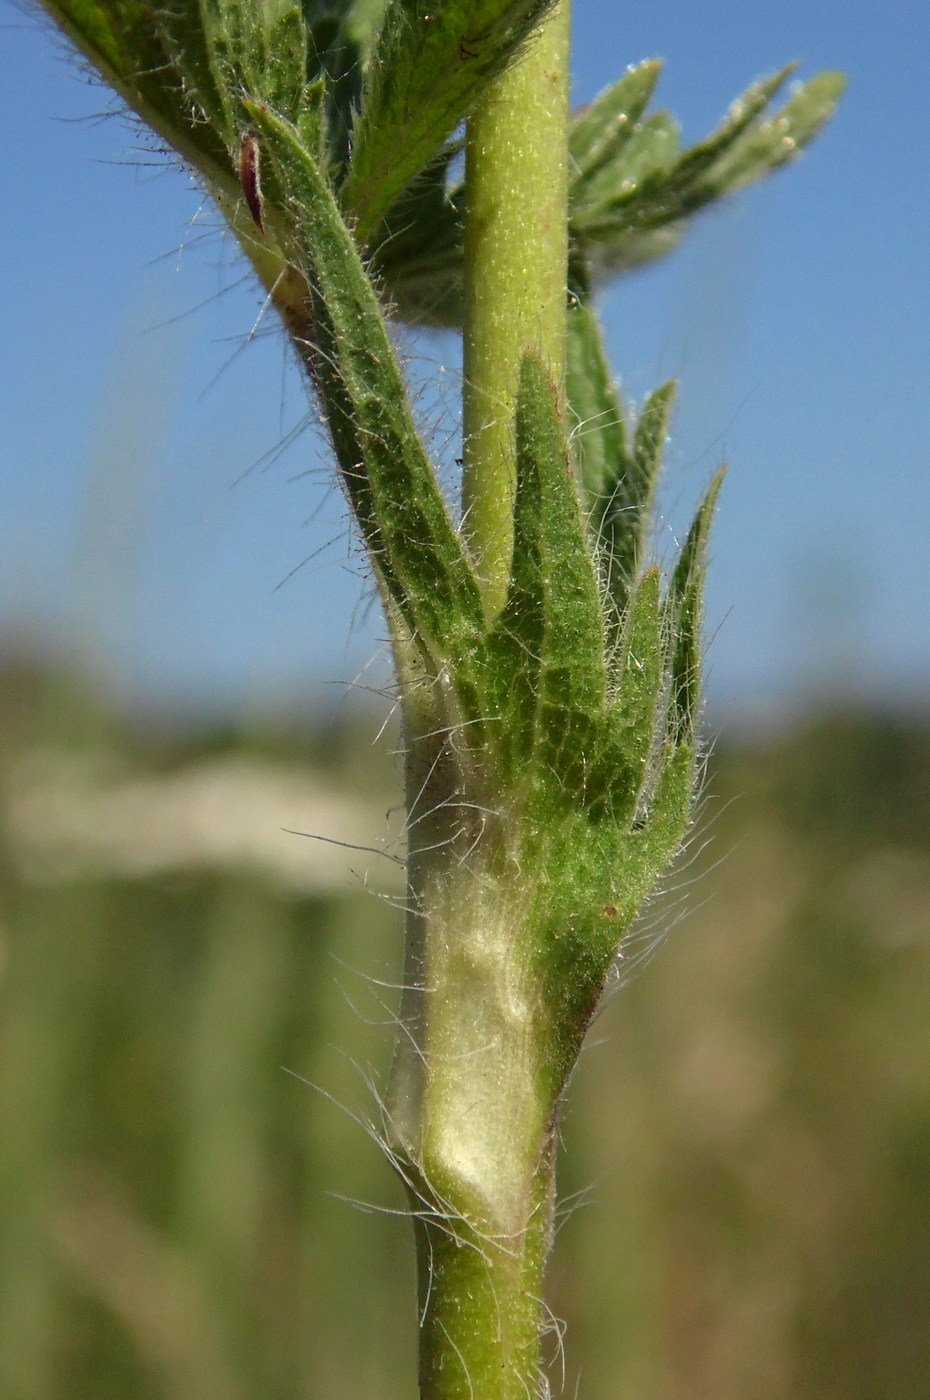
{"x":196,"y":1013}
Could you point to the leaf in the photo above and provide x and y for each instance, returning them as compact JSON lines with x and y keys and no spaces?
{"x":125,"y":44}
{"x":622,"y":515}
{"x":336,"y":54}
{"x":630,"y":201}
{"x":684,"y":609}
{"x":420,"y":254}
{"x":547,"y":647}
{"x":363,"y":19}
{"x":599,"y":435}
{"x":601,"y":130}
{"x":743,"y":112}
{"x":622,"y":217}
{"x":286,"y":64}
{"x":186,"y":31}
{"x":637,"y":677}
{"x":260,"y":49}
{"x":432,"y":62}
{"x":183,"y":64}
{"x":388,"y":477}
{"x":772,"y":143}
{"x":644,"y":195}
{"x":649,"y":152}
{"x":658,"y":837}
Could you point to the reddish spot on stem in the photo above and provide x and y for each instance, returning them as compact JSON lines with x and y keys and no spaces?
{"x":250,"y":178}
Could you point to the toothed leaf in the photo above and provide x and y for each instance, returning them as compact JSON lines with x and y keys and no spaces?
{"x":420,"y":255}
{"x":433,"y":61}
{"x":286,"y":64}
{"x":622,"y":218}
{"x":743,"y":112}
{"x":637,"y":679}
{"x":335,"y":54}
{"x":548,"y":643}
{"x":601,"y":130}
{"x":223,"y":48}
{"x":772,"y":143}
{"x":387,"y":475}
{"x":659,"y":838}
{"x":591,"y":890}
{"x":623,"y":520}
{"x":648,"y":154}
{"x":684,"y":605}
{"x":599,"y":435}
{"x":127,"y":43}
{"x":630,"y":199}
{"x":653,"y":193}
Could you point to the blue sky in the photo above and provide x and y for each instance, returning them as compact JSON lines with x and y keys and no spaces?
{"x":154,"y":519}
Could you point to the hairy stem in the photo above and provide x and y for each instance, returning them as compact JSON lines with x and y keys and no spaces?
{"x":470,"y":1104}
{"x":465,"y":1281}
{"x":470,"y":1114}
{"x":516,"y":250}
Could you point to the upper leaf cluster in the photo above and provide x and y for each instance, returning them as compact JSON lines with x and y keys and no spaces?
{"x":394,"y":79}
{"x":632,"y":187}
{"x":398,"y":77}
{"x":581,"y":691}
{"x":325,"y":131}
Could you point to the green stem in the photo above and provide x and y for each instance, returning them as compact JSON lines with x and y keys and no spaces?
{"x":470,"y":1109}
{"x":469,"y":1116}
{"x":480,"y":1306}
{"x":516,"y":251}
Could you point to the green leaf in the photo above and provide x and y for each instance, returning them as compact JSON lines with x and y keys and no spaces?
{"x":649,"y":153}
{"x":336,"y":54}
{"x":600,"y":131}
{"x":363,"y":19}
{"x":432,"y":63}
{"x":126,"y":41}
{"x":650,"y":150}
{"x":622,"y":217}
{"x":389,"y":480}
{"x":547,"y":648}
{"x":599,"y":436}
{"x":743,"y":112}
{"x":260,"y":49}
{"x":312,"y":124}
{"x":772,"y":143}
{"x":187,"y":34}
{"x":630,"y":199}
{"x":420,"y":255}
{"x":286,"y":64}
{"x":183,"y":65}
{"x":623,"y":515}
{"x":658,"y":838}
{"x":684,"y":608}
{"x":658,"y":191}
{"x":637,"y":676}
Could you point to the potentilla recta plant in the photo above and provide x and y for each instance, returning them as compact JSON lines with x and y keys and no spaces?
{"x":548,"y":674}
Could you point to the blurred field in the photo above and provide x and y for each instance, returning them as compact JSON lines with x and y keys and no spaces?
{"x":189,"y":1023}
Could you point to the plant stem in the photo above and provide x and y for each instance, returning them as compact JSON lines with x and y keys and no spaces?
{"x":470,"y":1115}
{"x":516,"y":251}
{"x":480,"y":1306}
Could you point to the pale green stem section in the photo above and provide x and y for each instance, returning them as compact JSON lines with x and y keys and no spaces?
{"x":470,"y":1113}
{"x":516,"y":253}
{"x":480,"y":1305}
{"x":469,"y":1116}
